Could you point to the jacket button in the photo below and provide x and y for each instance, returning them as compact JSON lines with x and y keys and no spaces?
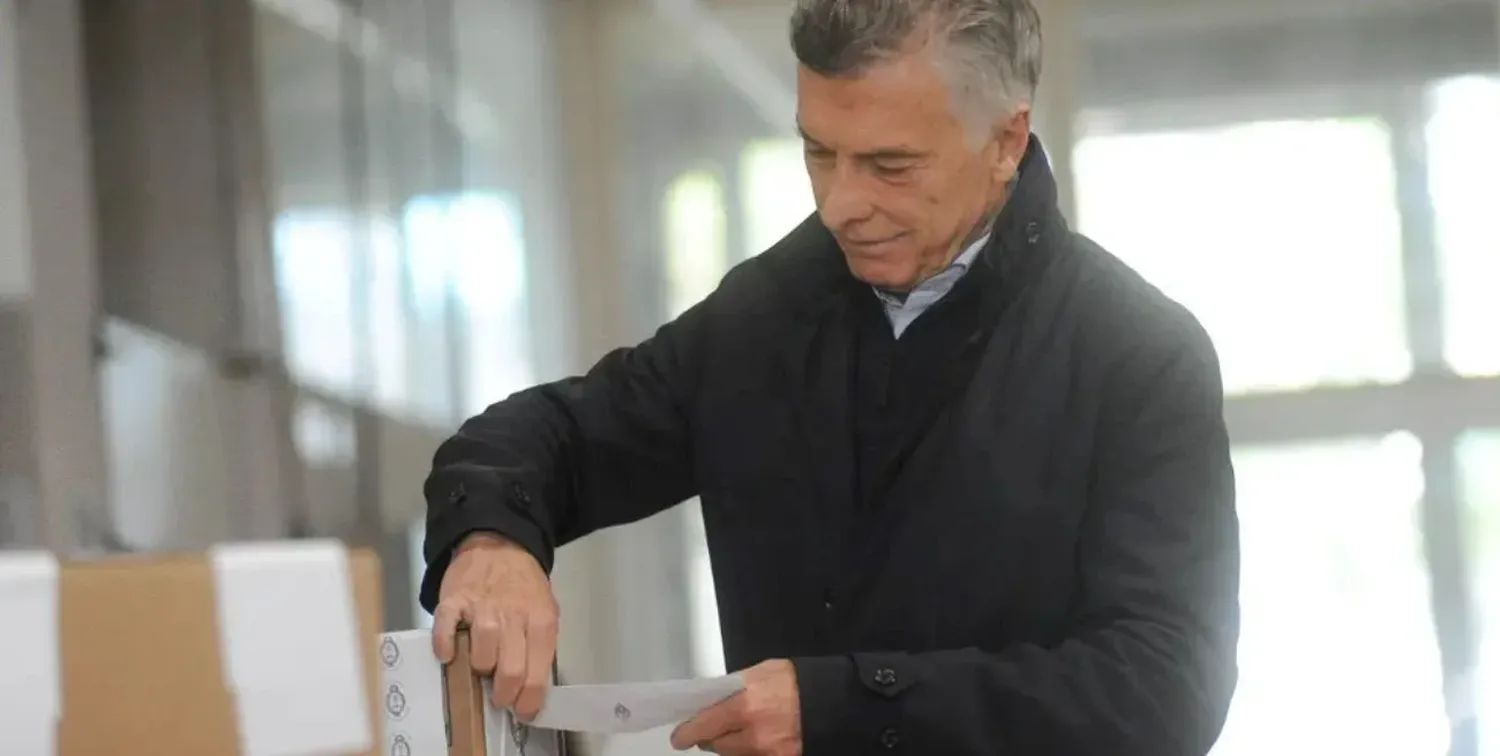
{"x":519,"y":491}
{"x":827,"y":599}
{"x":889,"y":738}
{"x":458,"y":495}
{"x":885,"y":677}
{"x":1033,"y":232}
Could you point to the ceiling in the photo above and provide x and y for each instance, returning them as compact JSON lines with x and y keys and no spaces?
{"x":1135,"y":48}
{"x":310,"y":83}
{"x":762,"y":24}
{"x":1107,"y":17}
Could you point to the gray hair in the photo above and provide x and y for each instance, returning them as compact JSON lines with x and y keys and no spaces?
{"x":990,"y":50}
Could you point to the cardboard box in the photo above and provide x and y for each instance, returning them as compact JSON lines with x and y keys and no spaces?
{"x":432,"y":710}
{"x":153,"y":655}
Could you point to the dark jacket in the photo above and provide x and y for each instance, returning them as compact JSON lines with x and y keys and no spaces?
{"x":1054,"y":570}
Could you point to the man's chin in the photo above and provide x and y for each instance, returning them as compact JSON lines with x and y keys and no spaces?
{"x":882,"y":276}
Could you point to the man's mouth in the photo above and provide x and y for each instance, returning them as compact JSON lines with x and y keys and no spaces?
{"x":872,"y":243}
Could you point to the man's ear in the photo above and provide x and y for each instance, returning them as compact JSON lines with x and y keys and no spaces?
{"x":1011,"y":137}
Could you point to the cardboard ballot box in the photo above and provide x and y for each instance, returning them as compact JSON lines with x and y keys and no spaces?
{"x":248,"y":650}
{"x":432,"y":710}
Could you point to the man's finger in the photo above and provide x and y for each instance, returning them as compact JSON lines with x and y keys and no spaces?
{"x":484,"y":641}
{"x":541,"y":647}
{"x":711,"y":723}
{"x":510,"y":671}
{"x":445,"y":623}
{"x":737,"y":743}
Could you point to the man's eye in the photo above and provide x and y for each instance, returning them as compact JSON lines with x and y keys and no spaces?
{"x":892,"y":171}
{"x":818,"y":154}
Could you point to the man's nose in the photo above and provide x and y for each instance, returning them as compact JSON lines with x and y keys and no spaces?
{"x":846,"y":200}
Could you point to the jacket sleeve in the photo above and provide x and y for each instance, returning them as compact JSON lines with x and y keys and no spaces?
{"x":1146,"y":666}
{"x":558,"y":461}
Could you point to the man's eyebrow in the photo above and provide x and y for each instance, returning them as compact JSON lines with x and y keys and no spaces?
{"x":884,"y":153}
{"x":894,"y":153}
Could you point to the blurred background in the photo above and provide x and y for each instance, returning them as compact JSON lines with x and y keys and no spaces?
{"x":257,"y":257}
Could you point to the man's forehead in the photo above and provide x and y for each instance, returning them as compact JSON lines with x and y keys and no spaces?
{"x":895,"y":101}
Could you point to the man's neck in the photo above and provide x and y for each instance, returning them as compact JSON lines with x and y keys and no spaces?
{"x":980,"y":230}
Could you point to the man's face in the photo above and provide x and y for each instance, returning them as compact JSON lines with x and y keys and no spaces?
{"x":895,"y":178}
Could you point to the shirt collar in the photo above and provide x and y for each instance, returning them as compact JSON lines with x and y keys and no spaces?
{"x":934,"y":288}
{"x":970,"y":253}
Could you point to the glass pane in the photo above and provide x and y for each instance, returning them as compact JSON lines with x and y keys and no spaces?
{"x":1463,"y":144}
{"x":428,"y":242}
{"x":1337,"y":628}
{"x":1338,"y":653}
{"x":696,"y":258}
{"x":314,"y":275}
{"x":468,"y":252}
{"x":324,"y":437}
{"x":415,"y":536}
{"x":1479,"y":463}
{"x":489,"y":269}
{"x":387,"y":321}
{"x":775,"y":190}
{"x":1297,"y":276}
{"x":697,"y":251}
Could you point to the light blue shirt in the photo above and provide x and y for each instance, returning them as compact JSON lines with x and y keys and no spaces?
{"x":903,"y":311}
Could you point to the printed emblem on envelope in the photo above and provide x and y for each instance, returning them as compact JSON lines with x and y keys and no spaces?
{"x":390,"y":653}
{"x":395,"y":702}
{"x":400,"y":746}
{"x":519,"y":733}
{"x":622,"y":713}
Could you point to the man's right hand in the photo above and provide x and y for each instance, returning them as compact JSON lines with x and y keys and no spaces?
{"x":501,"y":592}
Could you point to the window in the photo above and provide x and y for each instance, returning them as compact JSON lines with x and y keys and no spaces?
{"x":323,"y":433}
{"x":1463,"y":160}
{"x":324,"y":436}
{"x":1338,"y":653}
{"x":1479,"y":464}
{"x":1282,"y":237}
{"x":467,"y":252}
{"x":414,"y":539}
{"x":387,"y":321}
{"x":776,"y":191}
{"x":315,"y":275}
{"x":696,"y":258}
{"x":489,"y":267}
{"x":428,"y":264}
{"x":697,"y":254}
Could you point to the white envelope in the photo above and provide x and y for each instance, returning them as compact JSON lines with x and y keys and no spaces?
{"x":632,"y":707}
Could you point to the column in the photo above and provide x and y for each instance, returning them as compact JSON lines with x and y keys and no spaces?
{"x":1055,"y":111}
{"x":197,"y":402}
{"x":52,"y":457}
{"x":585,"y":575}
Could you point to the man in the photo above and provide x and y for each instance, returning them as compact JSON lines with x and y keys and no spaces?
{"x":964,"y":475}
